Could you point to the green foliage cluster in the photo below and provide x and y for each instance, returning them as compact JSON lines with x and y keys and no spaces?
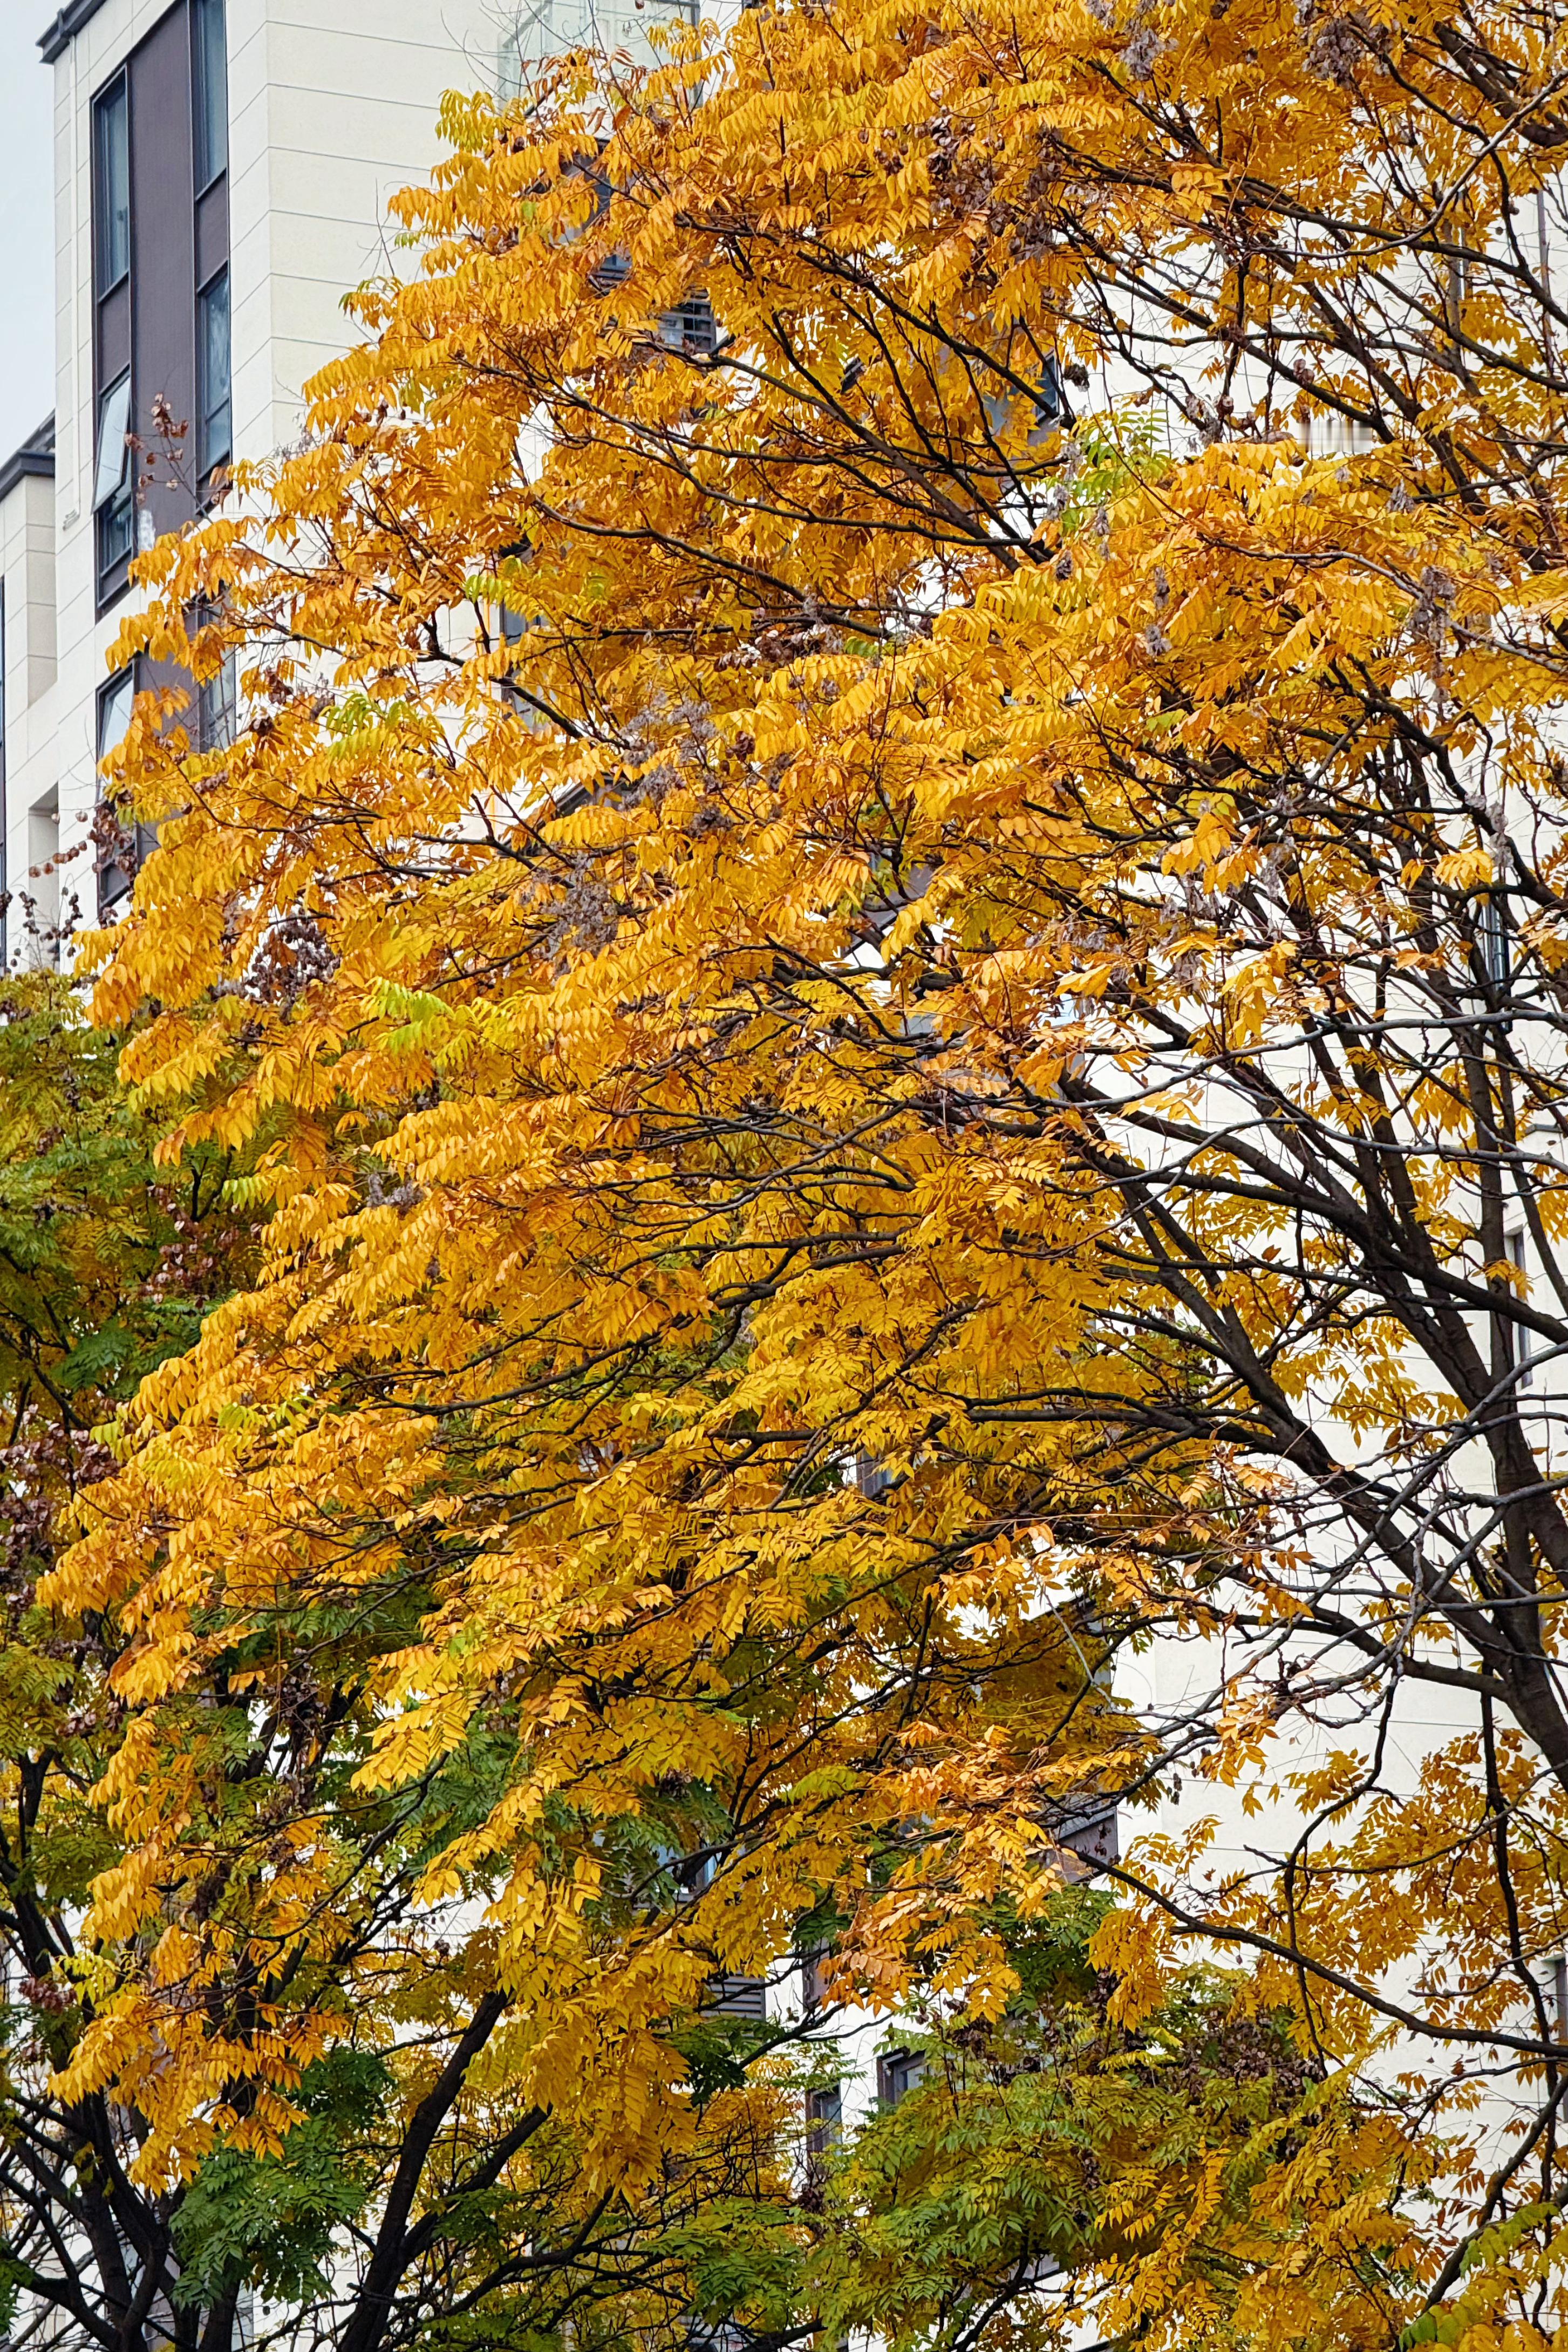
{"x":270,"y":2220}
{"x":1033,"y":2148}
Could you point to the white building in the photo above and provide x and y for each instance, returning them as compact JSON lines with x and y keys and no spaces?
{"x":221,"y":175}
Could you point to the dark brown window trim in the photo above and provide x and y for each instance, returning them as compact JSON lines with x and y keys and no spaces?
{"x":202,"y":16}
{"x":112,"y":575}
{"x":114,"y":95}
{"x":119,"y":848}
{"x":213,"y":419}
{"x":899,"y":2072}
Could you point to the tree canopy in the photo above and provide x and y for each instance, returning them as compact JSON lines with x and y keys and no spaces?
{"x":883,"y":954}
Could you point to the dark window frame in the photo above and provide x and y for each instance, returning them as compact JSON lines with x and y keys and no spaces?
{"x":107,"y":691}
{"x":899,"y":2072}
{"x":824,"y":2119}
{"x":813,"y":1982}
{"x":1494,"y":945}
{"x":113,"y":512}
{"x":119,"y":848}
{"x":216,"y":709}
{"x":1090,"y":1836}
{"x":209,"y":158}
{"x":214,"y":453}
{"x":692,"y":329}
{"x":1520,"y":1343}
{"x":158,"y":138}
{"x":114,"y":98}
{"x":113,"y":269}
{"x":734,"y":1996}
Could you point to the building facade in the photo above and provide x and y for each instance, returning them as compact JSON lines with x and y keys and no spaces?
{"x":222,"y":169}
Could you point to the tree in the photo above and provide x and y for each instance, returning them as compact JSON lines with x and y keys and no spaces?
{"x":105,"y":1269}
{"x":894,"y":972}
{"x":1184,"y":2155}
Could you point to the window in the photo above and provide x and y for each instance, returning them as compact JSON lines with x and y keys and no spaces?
{"x":690,"y":328}
{"x":736,"y":1996}
{"x":721,"y":2336}
{"x":113,"y":499}
{"x":1050,"y":404}
{"x":868,"y":1476}
{"x":1330,"y":435}
{"x":209,"y":74}
{"x":1518,"y":1342}
{"x":1048,"y":410}
{"x":215,"y":713}
{"x":537,"y":31}
{"x":159,"y":156}
{"x":692,"y":1872}
{"x":111,"y":189}
{"x":613,"y":24}
{"x":113,"y":481}
{"x":114,"y":707}
{"x":899,"y":2072}
{"x":117,"y":845}
{"x":41,"y":903}
{"x":214,"y":441}
{"x":1491,"y":938}
{"x":113,"y":441}
{"x":217,"y":708}
{"x":1091,"y":1836}
{"x":824,"y":2119}
{"x":613,"y":271}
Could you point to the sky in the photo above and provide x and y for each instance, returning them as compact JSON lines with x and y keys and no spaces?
{"x":26,"y":223}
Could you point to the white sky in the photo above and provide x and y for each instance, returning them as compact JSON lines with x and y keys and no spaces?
{"x":26,"y":223}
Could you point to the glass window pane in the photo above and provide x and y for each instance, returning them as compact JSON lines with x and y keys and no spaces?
{"x":213,"y":357}
{"x":825,"y":2112}
{"x":115,"y":856}
{"x":690,"y":327}
{"x":211,"y":64}
{"x":216,"y":705}
{"x":116,"y":537}
{"x":111,"y":193}
{"x":114,"y":710}
{"x":113,"y":444}
{"x":115,"y":524}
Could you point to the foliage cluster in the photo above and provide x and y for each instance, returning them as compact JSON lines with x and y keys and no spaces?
{"x":883,"y":962}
